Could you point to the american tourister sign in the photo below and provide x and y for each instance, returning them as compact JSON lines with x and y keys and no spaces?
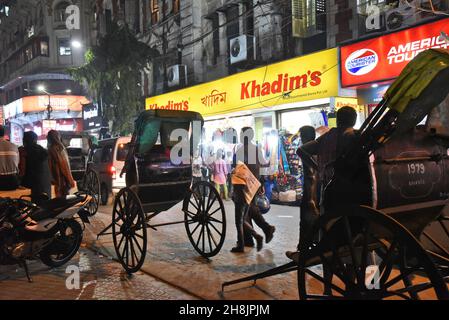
{"x":304,"y":78}
{"x":383,"y":58}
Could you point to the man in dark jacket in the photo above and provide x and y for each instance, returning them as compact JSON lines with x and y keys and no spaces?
{"x":37,"y":172}
{"x":318,"y":157}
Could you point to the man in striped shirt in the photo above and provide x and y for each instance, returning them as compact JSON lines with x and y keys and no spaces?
{"x":9,"y":163}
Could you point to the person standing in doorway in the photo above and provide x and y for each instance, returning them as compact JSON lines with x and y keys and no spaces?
{"x":58,"y":161}
{"x":9,"y":163}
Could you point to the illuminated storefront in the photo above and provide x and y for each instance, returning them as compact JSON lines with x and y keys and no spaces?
{"x":280,"y":97}
{"x":299,"y":83}
{"x":30,"y":113}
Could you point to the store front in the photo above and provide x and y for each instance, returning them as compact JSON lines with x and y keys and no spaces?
{"x":370,"y":66}
{"x":30,"y":113}
{"x":275,"y":101}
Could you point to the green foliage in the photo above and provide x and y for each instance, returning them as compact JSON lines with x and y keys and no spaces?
{"x":112,"y":72}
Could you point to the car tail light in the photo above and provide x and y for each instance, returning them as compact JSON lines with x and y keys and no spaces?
{"x":113,"y":172}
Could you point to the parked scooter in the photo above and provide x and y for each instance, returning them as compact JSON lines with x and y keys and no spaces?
{"x":49,"y":231}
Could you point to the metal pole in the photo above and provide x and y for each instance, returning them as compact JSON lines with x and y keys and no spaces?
{"x":49,"y":109}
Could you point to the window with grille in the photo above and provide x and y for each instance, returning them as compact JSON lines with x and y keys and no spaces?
{"x":308,"y":17}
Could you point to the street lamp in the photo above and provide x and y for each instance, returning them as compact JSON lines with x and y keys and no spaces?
{"x":41,"y":88}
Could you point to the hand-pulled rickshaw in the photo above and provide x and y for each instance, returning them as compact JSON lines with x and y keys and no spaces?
{"x":156,"y":180}
{"x":385,"y":191}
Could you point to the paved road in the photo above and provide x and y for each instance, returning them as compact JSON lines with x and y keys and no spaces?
{"x":171,"y":257}
{"x":172,"y":269}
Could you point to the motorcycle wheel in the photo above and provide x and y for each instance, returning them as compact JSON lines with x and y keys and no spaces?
{"x":64,"y":246}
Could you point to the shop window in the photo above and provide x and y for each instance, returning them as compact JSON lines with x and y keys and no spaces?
{"x":59,"y":14}
{"x":64,"y":47}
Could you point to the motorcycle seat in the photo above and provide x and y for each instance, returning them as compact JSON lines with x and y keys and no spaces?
{"x":55,"y":206}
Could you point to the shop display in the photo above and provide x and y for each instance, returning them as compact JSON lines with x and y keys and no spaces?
{"x":287,"y":188}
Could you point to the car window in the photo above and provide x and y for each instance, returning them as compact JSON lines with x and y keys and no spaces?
{"x":106,"y":156}
{"x":122,"y":151}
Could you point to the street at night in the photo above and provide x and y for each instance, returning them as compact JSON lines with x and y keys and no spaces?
{"x":230,"y":157}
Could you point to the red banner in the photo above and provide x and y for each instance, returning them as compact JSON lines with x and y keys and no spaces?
{"x":383,"y":58}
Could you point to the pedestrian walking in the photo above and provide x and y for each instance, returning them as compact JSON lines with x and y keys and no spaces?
{"x":248,"y":153}
{"x":9,"y":163}
{"x":220,"y":174}
{"x":58,"y":161}
{"x":37,"y":172}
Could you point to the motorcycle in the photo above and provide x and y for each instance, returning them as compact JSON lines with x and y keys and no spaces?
{"x":49,"y":231}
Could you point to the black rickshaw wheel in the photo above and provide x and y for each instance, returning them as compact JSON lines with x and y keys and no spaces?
{"x":205,"y":219}
{"x":91,"y":185}
{"x":365,"y":254}
{"x":129,"y":230}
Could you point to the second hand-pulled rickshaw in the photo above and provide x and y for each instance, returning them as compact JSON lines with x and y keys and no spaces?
{"x":159,"y":176}
{"x":387,"y":188}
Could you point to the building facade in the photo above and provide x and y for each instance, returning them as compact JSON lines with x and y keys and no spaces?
{"x":39,"y":41}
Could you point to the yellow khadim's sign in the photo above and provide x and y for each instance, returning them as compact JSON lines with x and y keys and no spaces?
{"x":304,"y":78}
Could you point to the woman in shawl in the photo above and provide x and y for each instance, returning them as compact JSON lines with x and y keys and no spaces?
{"x":58,"y":161}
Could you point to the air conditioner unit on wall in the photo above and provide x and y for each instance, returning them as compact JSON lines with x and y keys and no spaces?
{"x":242,"y":49}
{"x":403,"y":16}
{"x":177,"y":75}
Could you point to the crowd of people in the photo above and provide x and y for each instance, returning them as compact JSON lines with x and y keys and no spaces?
{"x":34,"y":167}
